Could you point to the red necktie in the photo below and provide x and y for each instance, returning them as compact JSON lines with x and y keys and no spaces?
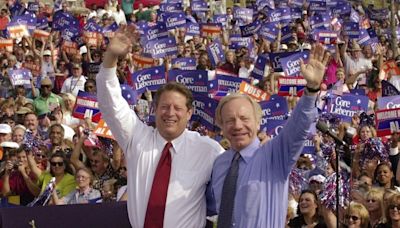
{"x":158,"y":195}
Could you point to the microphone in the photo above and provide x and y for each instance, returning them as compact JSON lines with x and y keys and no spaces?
{"x":323,"y":127}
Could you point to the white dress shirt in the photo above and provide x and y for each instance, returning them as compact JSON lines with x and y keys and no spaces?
{"x":73,"y":85}
{"x":192,"y":160}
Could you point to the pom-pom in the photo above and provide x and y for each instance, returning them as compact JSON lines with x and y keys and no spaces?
{"x":328,"y":194}
{"x":374,"y":148}
{"x":297,"y":181}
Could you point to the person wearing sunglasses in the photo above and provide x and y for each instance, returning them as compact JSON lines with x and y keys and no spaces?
{"x":392,"y":212}
{"x":47,"y":99}
{"x":60,"y":169}
{"x":357,"y":216}
{"x":374,"y":205}
{"x":84,"y":193}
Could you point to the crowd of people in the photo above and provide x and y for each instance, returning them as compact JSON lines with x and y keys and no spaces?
{"x":53,"y":154}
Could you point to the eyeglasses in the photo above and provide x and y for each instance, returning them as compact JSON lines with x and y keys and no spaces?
{"x":122,"y":169}
{"x":352,"y":217}
{"x":40,"y":155}
{"x":393,"y":206}
{"x":45,"y":86}
{"x":94,"y":161}
{"x":57,"y":163}
{"x":82,"y":177}
{"x":371,"y":200}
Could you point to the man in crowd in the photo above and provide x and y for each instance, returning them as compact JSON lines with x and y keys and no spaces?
{"x":171,"y":163}
{"x":249,"y":183}
{"x":47,"y":100}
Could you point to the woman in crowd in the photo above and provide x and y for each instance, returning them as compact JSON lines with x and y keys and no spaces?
{"x":357,"y":216}
{"x":84,"y":193}
{"x":374,"y":205}
{"x":392,"y":213}
{"x":60,"y":169}
{"x":308,"y":214}
{"x":384,"y":176}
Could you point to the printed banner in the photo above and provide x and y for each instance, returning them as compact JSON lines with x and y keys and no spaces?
{"x":16,"y":30}
{"x":199,"y":6}
{"x":150,"y":79}
{"x":243,"y":14}
{"x":38,"y":34}
{"x":387,"y":121}
{"x":34,"y":68}
{"x":282,"y":15}
{"x":291,"y":63}
{"x":225,"y":83}
{"x":174,"y":20}
{"x":347,"y":105}
{"x":192,"y":29}
{"x":254,"y":92}
{"x":327,"y":37}
{"x":259,"y":67}
{"x":195,"y":80}
{"x":215,"y":53}
{"x":351,"y":29}
{"x":7,"y":44}
{"x":158,"y":31}
{"x":86,"y":106}
{"x":291,"y":86}
{"x":237,"y":41}
{"x":102,"y":130}
{"x":162,"y":47}
{"x":269,"y":31}
{"x":391,"y":102}
{"x":142,"y":61}
{"x":388,"y":89}
{"x":171,"y":7}
{"x":20,"y":77}
{"x":275,"y":60}
{"x":204,"y":111}
{"x":70,"y":47}
{"x":250,"y":29}
{"x":184,"y":63}
{"x":210,"y":30}
{"x":110,"y":30}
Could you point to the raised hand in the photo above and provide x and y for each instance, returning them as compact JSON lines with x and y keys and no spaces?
{"x":313,"y":72}
{"x":123,"y":40}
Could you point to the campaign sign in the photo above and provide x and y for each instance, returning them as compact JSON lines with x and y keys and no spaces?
{"x":141,"y":26}
{"x":319,"y":21}
{"x":20,"y":77}
{"x":296,"y":13}
{"x":282,"y":15}
{"x":33,"y":6}
{"x":162,"y":47}
{"x":327,"y":37}
{"x":199,"y":6}
{"x":351,"y":29}
{"x":275,"y":59}
{"x":388,"y":89}
{"x":64,"y":20}
{"x":237,"y":41}
{"x":86,"y":106}
{"x":29,"y":20}
{"x":192,"y":29}
{"x":174,"y":20}
{"x":250,"y":29}
{"x":38,"y":34}
{"x":287,"y":34}
{"x":225,"y":83}
{"x":184,"y":63}
{"x":275,"y":108}
{"x":142,"y":61}
{"x":342,"y":8}
{"x":7,"y":44}
{"x":158,"y":31}
{"x":378,"y":14}
{"x":171,"y":7}
{"x":70,"y":47}
{"x":364,"y":37}
{"x":42,"y":23}
{"x":68,"y":33}
{"x":272,"y":127}
{"x":390,"y":102}
{"x":16,"y":9}
{"x":354,"y":16}
{"x":150,"y":79}
{"x":210,"y":30}
{"x":254,"y":92}
{"x":17,"y":30}
{"x":129,"y":94}
{"x":102,"y":130}
{"x":387,"y":121}
{"x":110,"y":30}
{"x":195,"y":80}
{"x":291,"y":86}
{"x":243,"y":14}
{"x":358,"y":92}
{"x":222,"y":19}
{"x":34,"y":68}
{"x":269,"y":31}
{"x":317,"y":6}
{"x":215,"y":53}
{"x":259,"y":67}
{"x":291,"y":63}
{"x":204,"y":111}
{"x":347,"y":105}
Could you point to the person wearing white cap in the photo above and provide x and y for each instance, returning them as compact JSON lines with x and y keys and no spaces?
{"x":47,"y":63}
{"x":76,"y":82}
{"x":5,"y":133}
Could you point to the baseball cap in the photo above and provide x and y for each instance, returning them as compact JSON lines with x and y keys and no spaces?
{"x":5,"y":129}
{"x":46,"y":81}
{"x":46,"y":52}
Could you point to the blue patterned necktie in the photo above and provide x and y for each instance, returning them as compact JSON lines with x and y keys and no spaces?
{"x":228,"y":194}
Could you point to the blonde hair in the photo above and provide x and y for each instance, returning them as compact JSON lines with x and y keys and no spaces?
{"x":256,"y":107}
{"x":393,"y":199}
{"x":362,"y":211}
{"x":377,"y":194}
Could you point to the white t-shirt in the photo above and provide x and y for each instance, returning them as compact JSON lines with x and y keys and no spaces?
{"x":73,"y":85}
